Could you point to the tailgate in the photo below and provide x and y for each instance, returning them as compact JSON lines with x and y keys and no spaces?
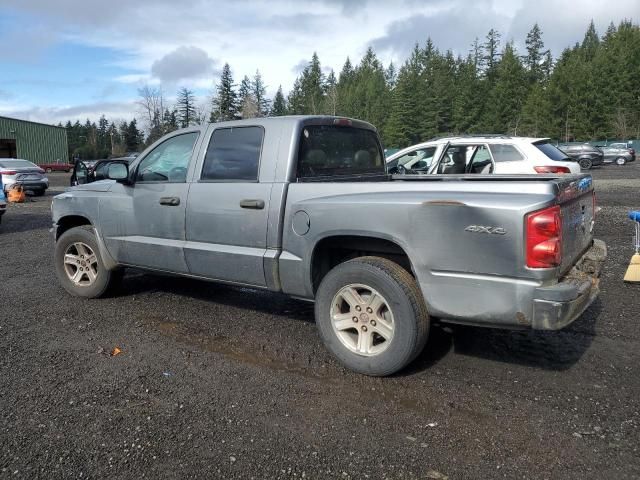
{"x":577,"y":203}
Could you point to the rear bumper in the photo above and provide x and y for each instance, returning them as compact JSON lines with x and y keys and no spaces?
{"x":28,"y":185}
{"x":557,"y":306}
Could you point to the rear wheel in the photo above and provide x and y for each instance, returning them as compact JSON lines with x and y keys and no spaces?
{"x":585,"y":163}
{"x":621,"y":161}
{"x":79,"y":266}
{"x":371,"y":315}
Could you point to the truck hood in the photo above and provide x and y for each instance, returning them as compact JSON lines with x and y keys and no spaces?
{"x":99,"y":186}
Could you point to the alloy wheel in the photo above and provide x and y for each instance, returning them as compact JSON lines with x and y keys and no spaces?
{"x":362,"y":320}
{"x":81,"y":264}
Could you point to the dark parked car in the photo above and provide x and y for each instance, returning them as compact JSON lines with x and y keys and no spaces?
{"x":586,"y":155}
{"x":617,"y":153}
{"x":87,"y":171}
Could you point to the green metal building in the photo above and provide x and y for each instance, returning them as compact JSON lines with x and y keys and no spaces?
{"x":36,"y":142}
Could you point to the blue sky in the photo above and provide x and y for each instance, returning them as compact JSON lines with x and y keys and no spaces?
{"x":67,"y":59}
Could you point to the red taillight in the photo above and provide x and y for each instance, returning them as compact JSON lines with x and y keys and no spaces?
{"x":8,"y":172}
{"x":551,"y":169}
{"x":544,"y":238}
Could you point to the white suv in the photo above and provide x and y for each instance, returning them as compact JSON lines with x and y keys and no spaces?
{"x":482,"y":155}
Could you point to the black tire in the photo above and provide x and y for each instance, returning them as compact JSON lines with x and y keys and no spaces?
{"x":404,"y":299}
{"x":620,"y":161}
{"x":48,"y":170}
{"x":105,"y":279}
{"x":585,"y":163}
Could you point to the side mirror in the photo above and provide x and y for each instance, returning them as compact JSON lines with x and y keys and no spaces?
{"x":118,"y":172}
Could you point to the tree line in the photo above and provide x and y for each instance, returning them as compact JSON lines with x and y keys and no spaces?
{"x":590,"y":92}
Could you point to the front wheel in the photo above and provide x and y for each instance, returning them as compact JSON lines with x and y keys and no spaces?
{"x":621,"y":161}
{"x":585,"y":163}
{"x":79,"y":266}
{"x":371,"y":315}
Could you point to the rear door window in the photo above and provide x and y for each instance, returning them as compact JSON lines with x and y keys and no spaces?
{"x":505,"y":153}
{"x":233,"y":155}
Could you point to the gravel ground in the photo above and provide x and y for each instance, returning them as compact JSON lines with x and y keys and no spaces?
{"x":221,"y":382}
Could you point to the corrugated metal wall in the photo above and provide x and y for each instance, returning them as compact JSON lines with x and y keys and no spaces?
{"x":36,"y":142}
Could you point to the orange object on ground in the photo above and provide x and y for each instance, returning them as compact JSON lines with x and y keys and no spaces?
{"x":115,"y":351}
{"x":16,"y":194}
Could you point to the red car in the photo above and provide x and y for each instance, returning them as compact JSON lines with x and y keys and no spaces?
{"x":56,"y":167}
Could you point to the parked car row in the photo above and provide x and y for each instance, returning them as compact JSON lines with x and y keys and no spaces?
{"x":588,"y":155}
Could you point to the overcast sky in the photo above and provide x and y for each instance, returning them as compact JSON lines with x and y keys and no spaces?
{"x":68,"y":59}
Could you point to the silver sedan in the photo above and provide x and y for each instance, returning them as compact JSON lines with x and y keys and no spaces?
{"x":25,"y":173}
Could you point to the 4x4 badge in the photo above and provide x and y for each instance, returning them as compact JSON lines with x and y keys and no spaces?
{"x":483,"y":229}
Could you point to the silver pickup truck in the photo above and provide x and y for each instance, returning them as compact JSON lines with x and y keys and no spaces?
{"x":304,"y":206}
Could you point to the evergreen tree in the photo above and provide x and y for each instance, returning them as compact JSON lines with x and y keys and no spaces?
{"x":491,"y":50}
{"x":503,"y":112}
{"x":403,"y":122}
{"x":343,"y":89}
{"x":369,"y":95}
{"x":590,"y":43}
{"x":279,"y":107}
{"x":477,"y":54}
{"x":169,"y":121}
{"x":259,"y":91}
{"x":307,"y":96}
{"x":533,"y":60}
{"x":296,"y":99}
{"x":246,"y":100}
{"x":186,"y":107}
{"x":391,"y":76}
{"x":535,"y":113}
{"x":468,"y":99}
{"x":132,"y":136}
{"x":225,"y":105}
{"x":331,"y":97}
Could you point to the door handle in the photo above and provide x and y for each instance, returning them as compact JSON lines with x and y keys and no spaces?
{"x":170,"y":201}
{"x":253,"y":204}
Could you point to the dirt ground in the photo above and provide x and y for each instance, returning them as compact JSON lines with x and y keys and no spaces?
{"x":222,"y":382}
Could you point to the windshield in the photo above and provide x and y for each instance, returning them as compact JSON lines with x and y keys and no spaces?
{"x":551,"y":151}
{"x":17,"y":164}
{"x":330,"y":150}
